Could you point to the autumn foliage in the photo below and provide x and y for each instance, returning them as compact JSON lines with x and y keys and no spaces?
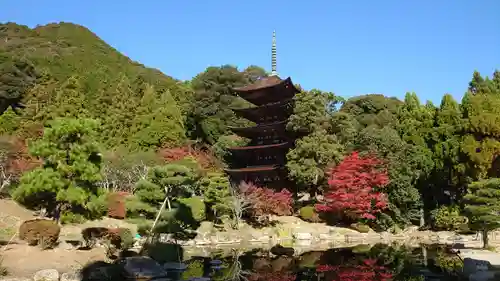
{"x":353,"y":186}
{"x":203,"y":157}
{"x":367,"y":271}
{"x":16,"y":158}
{"x":264,"y":201}
{"x":116,"y":205}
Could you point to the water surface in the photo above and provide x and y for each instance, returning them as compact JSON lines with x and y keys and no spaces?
{"x":361,"y":263}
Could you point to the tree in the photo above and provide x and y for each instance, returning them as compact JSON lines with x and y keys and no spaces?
{"x":213,"y":100}
{"x":353,"y":188}
{"x":123,"y":169}
{"x":166,"y":185}
{"x":312,"y":154}
{"x":17,"y":76}
{"x":69,"y":101}
{"x":171,"y":181}
{"x":373,"y":109}
{"x":216,"y":192}
{"x":159,"y":122}
{"x":311,"y":111}
{"x":264,"y":202}
{"x":482,"y":206}
{"x":404,"y":165}
{"x":71,"y":167}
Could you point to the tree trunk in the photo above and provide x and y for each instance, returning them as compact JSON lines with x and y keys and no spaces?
{"x":485,"y":239}
{"x":422,"y":219}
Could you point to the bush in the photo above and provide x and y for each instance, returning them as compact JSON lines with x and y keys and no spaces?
{"x":116,"y":205}
{"x":143,"y":225}
{"x":92,"y":234}
{"x":447,"y":218}
{"x":69,"y":217}
{"x":464,"y":229}
{"x":363,"y":228}
{"x":197,"y":207}
{"x":40,"y":232}
{"x":308,"y":213}
{"x":126,"y":238}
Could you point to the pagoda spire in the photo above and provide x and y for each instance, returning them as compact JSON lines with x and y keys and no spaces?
{"x":273,"y":56}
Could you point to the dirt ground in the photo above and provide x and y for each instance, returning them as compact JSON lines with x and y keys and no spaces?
{"x":22,"y":260}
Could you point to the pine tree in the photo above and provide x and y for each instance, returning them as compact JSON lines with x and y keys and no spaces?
{"x":71,"y":168}
{"x":483,"y":206}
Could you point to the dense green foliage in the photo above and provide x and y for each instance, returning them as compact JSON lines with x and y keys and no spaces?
{"x":71,"y":169}
{"x":160,"y":137}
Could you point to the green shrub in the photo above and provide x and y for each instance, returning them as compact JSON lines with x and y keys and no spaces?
{"x":126,"y":238}
{"x":194,"y":270}
{"x":447,"y":218}
{"x":361,"y":249}
{"x":135,"y":208}
{"x":143,"y":225}
{"x":464,"y":229}
{"x":69,"y":217}
{"x":363,"y":228}
{"x":308,"y":213}
{"x":197,"y":207}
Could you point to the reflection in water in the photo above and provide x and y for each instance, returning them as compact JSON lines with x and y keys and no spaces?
{"x":377,"y":263}
{"x":362,"y":263}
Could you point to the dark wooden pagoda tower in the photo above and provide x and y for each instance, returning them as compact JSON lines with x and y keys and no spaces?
{"x":263,"y":160}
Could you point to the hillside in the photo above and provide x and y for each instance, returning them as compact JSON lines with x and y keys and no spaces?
{"x":75,"y":67}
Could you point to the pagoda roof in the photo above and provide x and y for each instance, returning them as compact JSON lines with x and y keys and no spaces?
{"x":249,"y":132}
{"x":260,"y":147}
{"x":255,"y":113}
{"x":263,"y":83}
{"x":254,"y":169}
{"x":267,"y":90}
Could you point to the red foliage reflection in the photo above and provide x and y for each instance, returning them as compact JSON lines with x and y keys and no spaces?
{"x":368,"y":271}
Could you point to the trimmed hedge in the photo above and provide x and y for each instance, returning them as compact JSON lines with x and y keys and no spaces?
{"x":40,"y":232}
{"x":308,"y":213}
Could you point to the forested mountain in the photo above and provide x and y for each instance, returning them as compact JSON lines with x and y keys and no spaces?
{"x":74,"y":68}
{"x":430,"y":153}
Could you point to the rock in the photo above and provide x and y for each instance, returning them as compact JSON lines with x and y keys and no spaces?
{"x":46,"y":275}
{"x":303,"y":236}
{"x":472,"y":266}
{"x":482,"y":276}
{"x":15,"y":279}
{"x":279,"y":250}
{"x":178,"y":266}
{"x":323,"y":236}
{"x":71,"y":276}
{"x":142,"y":267}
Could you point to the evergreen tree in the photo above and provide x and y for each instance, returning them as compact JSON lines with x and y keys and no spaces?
{"x":71,"y":168}
{"x":483,"y":206}
{"x":159,"y":122}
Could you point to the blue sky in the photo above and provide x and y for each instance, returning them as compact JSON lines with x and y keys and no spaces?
{"x":348,"y":47}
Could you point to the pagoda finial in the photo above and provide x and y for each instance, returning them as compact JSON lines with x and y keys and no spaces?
{"x":273,"y":56}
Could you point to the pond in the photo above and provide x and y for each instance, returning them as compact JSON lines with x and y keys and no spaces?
{"x":361,"y":263}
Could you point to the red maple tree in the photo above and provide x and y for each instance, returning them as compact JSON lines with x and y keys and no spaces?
{"x":352,"y":187}
{"x":264,"y":201}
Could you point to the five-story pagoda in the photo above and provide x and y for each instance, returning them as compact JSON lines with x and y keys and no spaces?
{"x":263,"y":160}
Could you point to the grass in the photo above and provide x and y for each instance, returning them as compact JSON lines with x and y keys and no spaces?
{"x":7,"y":232}
{"x":3,"y":270}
